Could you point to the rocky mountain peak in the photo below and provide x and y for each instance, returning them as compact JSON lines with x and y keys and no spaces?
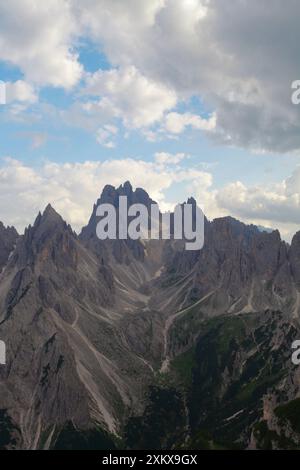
{"x":294,"y":258}
{"x":126,"y":188}
{"x":192,"y":201}
{"x":296,"y":240}
{"x":8,"y":239}
{"x":48,"y":218}
{"x":50,"y":237}
{"x":8,"y":231}
{"x":110,"y":195}
{"x":47,"y":225}
{"x":50,"y":211}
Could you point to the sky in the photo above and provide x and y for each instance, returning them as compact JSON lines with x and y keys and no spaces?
{"x":181,"y":97}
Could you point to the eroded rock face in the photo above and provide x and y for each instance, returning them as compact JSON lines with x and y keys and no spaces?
{"x":294,"y":258}
{"x":88,"y":324}
{"x":122,"y":250}
{"x":66,"y":356}
{"x":8,"y":239}
{"x":240,"y":267}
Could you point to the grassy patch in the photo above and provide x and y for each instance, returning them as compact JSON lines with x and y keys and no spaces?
{"x":183,"y":366}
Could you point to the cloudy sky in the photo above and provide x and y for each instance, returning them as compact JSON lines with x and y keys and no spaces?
{"x":181,"y":97}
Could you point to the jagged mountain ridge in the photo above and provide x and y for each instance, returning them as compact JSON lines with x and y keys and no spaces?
{"x":242,"y":268}
{"x":54,"y":309}
{"x":8,"y":239}
{"x":89,"y":323}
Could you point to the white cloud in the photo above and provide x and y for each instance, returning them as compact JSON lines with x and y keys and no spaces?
{"x":20,"y":91}
{"x":130,"y":96}
{"x":275,"y":205}
{"x":165,"y":158}
{"x":38,"y":37}
{"x":261,"y":202}
{"x":105,"y":135}
{"x":240,"y":57}
{"x":177,"y":123}
{"x":72,"y":188}
{"x":118,"y":22}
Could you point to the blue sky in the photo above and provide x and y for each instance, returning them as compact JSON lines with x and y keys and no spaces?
{"x":165,"y":93}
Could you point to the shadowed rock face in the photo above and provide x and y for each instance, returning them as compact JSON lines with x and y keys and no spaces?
{"x":121,"y":250}
{"x":243,"y":268}
{"x":89,"y":323}
{"x":66,"y":357}
{"x":8,"y":239}
{"x":294,"y":257}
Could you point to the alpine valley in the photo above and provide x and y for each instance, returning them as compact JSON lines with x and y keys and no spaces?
{"x":144,"y":345}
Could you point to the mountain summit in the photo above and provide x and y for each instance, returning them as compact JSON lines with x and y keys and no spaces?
{"x":8,"y":239}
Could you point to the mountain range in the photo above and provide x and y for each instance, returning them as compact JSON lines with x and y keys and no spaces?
{"x":140,"y":344}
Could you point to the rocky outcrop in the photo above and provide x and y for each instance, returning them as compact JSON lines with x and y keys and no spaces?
{"x":243,"y":268}
{"x":122,"y":250}
{"x":8,"y":239}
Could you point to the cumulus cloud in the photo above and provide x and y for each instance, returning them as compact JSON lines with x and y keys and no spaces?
{"x":137,"y":100}
{"x":240,"y":57}
{"x":276,"y":205}
{"x":20,"y":91}
{"x":140,"y":103}
{"x":73,"y":187}
{"x":165,"y":158}
{"x":176,"y":123}
{"x":38,"y":37}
